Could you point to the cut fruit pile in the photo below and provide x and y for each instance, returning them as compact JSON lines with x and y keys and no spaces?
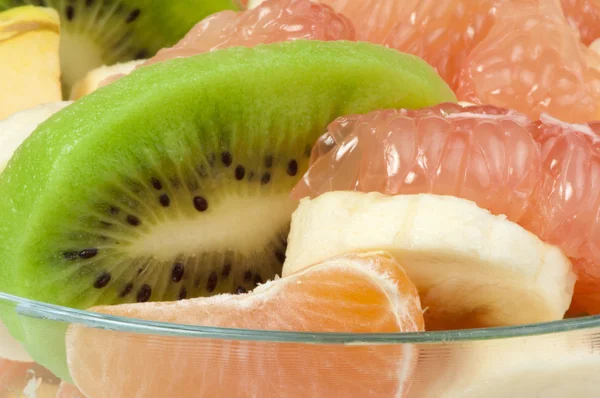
{"x":295,"y":166}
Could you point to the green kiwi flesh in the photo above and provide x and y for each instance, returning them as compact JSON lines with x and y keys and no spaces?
{"x":106,"y":32}
{"x":85,"y":220}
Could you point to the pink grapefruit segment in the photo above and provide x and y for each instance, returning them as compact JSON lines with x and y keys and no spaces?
{"x":374,"y":19}
{"x":533,"y":61}
{"x":566,"y":208}
{"x":272,"y":21}
{"x":443,"y":33}
{"x":584,"y":15}
{"x":481,"y":153}
{"x":357,"y":293}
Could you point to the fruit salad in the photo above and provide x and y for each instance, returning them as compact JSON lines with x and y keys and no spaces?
{"x":299,"y":198}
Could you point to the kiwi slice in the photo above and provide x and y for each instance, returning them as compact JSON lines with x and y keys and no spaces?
{"x":106,"y":32}
{"x":174,"y":181}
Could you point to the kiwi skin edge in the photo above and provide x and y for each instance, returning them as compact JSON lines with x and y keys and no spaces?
{"x":284,"y":92}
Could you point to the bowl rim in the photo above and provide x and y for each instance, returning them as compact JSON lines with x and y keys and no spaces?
{"x":40,"y":310}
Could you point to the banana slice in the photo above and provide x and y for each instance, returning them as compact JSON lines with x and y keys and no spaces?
{"x":91,"y":82}
{"x":17,"y":127}
{"x":472,"y":269}
{"x":550,"y":366}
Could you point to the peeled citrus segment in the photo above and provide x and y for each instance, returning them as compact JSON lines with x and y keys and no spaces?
{"x":585,"y":16}
{"x":357,"y":293}
{"x":472,"y":269}
{"x":374,"y":19}
{"x":443,"y":33}
{"x":29,"y":71}
{"x":271,"y":22}
{"x":566,"y":209}
{"x":532,"y":61}
{"x":481,"y":153}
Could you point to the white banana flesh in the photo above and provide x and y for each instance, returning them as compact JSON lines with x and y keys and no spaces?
{"x":472,"y":268}
{"x":91,"y":82}
{"x":17,"y":127}
{"x":557,"y":365}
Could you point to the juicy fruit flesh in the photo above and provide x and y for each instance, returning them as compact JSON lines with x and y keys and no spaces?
{"x":29,"y":71}
{"x":373,"y":19}
{"x":472,"y":269}
{"x":273,"y":21}
{"x":542,"y":175}
{"x":560,"y":77}
{"x":352,"y":293}
{"x":443,"y":33}
{"x":484,"y":154}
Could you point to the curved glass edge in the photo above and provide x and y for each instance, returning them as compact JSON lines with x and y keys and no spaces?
{"x":40,"y":310}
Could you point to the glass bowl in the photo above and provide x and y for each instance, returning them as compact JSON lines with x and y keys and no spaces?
{"x":129,"y":358}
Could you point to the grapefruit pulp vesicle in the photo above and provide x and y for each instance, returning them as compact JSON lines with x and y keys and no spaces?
{"x":533,"y":61}
{"x":481,"y":153}
{"x":359,"y":293}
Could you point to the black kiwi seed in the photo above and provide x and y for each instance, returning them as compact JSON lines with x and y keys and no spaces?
{"x":211,"y":283}
{"x":240,"y":172}
{"x":88,"y":253}
{"x":280,"y":256}
{"x":70,"y":12}
{"x":292,"y":169}
{"x":265,"y":178}
{"x":126,"y":290}
{"x":102,"y":280}
{"x":257,"y":280}
{"x":200,"y":203}
{"x":141,"y":54}
{"x":144,"y":294}
{"x":156,"y":184}
{"x":226,"y":159}
{"x":164,"y":200}
{"x":133,"y":15}
{"x":226,"y":270}
{"x":248,"y":276}
{"x":113,"y":210}
{"x":268,"y":161}
{"x":182,"y":293}
{"x":241,"y":290}
{"x":133,"y":220}
{"x":177,"y":272}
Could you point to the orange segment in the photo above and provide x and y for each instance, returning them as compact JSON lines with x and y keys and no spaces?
{"x":358,"y":293}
